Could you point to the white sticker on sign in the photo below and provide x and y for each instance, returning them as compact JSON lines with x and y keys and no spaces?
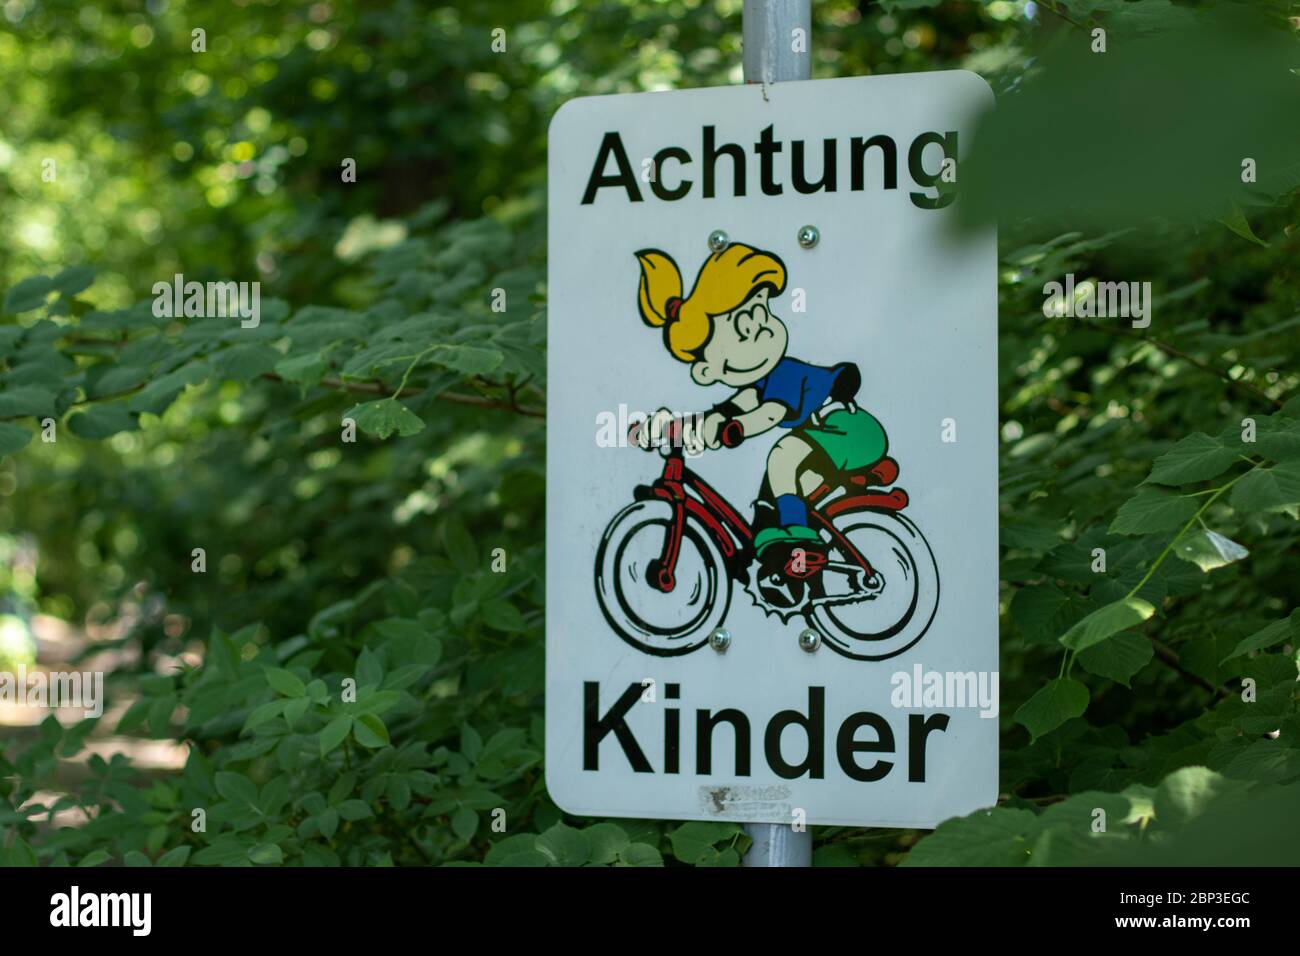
{"x":772,"y":567}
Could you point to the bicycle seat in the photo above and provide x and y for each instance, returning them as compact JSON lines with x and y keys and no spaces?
{"x":882,"y":473}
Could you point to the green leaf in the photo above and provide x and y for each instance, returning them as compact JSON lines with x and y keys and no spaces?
{"x":118,"y":379}
{"x":174,"y":857}
{"x":532,"y":859}
{"x":20,"y":854}
{"x":1196,"y":458}
{"x":26,"y":400}
{"x":1278,"y":438}
{"x":294,"y":708}
{"x":1268,"y":489}
{"x":605,"y":841}
{"x":370,"y":731}
{"x":1209,"y":550}
{"x":1043,"y":611}
{"x":460,"y":545}
{"x":266,"y":854}
{"x":640,"y":854}
{"x":305,"y":370}
{"x":693,"y":842}
{"x":13,"y":438}
{"x":242,"y":363}
{"x":502,"y":616}
{"x":236,"y":787}
{"x":1119,"y":657}
{"x":1153,"y":510}
{"x":1185,"y":794}
{"x":1061,"y":700}
{"x":334,"y":733}
{"x":285,"y":683}
{"x":464,"y":822}
{"x":834,"y":854}
{"x":10,"y":336}
{"x":893,"y":6}
{"x":468,"y":359}
{"x":1031,"y":536}
{"x":1275,"y":633}
{"x":94,"y":858}
{"x":102,"y":421}
{"x":998,"y":837}
{"x":28,"y":294}
{"x":1237,"y":222}
{"x":370,"y":670}
{"x":383,"y":417}
{"x":564,"y":846}
{"x":73,"y":280}
{"x":1105,"y":621}
{"x":512,"y":846}
{"x":161,"y":392}
{"x":354,"y":810}
{"x":377,"y":701}
{"x":263,"y":713}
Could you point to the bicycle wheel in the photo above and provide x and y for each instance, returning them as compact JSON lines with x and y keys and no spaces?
{"x":662,"y":623}
{"x":897,"y":613}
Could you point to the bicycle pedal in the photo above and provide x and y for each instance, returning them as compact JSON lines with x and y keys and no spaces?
{"x":803,"y":565}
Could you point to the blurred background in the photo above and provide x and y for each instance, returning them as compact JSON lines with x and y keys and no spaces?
{"x":208,"y":139}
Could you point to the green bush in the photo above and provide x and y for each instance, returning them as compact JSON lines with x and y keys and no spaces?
{"x":357,"y":673}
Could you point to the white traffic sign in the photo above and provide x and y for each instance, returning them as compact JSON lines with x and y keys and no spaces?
{"x":772,"y":567}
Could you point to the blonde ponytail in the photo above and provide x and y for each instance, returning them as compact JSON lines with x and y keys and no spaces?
{"x":660,"y":281}
{"x":726,"y":280}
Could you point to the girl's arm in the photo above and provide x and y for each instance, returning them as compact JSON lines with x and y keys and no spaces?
{"x":743,"y":403}
{"x":762,"y":418}
{"x":746,"y":399}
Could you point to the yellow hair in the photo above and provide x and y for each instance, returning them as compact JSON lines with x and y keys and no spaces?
{"x":726,"y":280}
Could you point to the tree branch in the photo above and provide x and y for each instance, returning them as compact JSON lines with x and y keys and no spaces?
{"x":1194,"y":362}
{"x":454,"y":398}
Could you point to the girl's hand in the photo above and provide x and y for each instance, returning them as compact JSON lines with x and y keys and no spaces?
{"x":712,"y":430}
{"x":654,"y":430}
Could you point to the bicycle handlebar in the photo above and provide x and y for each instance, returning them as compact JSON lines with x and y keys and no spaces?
{"x":731,"y":434}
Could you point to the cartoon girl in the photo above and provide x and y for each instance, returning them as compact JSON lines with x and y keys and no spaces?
{"x":724,"y":330}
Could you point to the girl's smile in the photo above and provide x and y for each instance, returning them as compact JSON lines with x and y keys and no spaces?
{"x":746,"y":345}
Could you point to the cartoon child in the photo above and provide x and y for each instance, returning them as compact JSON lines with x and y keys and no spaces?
{"x":726,"y":332}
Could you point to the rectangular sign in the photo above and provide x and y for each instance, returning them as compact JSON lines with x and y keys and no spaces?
{"x":772,"y":566}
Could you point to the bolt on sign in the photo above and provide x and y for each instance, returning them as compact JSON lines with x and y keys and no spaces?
{"x":772,"y":467}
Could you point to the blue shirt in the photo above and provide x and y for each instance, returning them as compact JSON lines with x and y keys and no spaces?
{"x":800,"y":387}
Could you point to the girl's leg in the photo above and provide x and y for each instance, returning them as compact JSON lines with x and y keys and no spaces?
{"x":809,"y":482}
{"x":783,"y":464}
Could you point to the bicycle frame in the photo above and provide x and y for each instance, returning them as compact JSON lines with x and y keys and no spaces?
{"x":692,"y":496}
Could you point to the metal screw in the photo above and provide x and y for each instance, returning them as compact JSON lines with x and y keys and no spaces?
{"x":718,"y":240}
{"x":809,"y":639}
{"x":809,"y":236}
{"x":720,"y":639}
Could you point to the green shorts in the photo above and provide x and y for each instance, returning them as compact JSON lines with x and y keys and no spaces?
{"x":851,"y":440}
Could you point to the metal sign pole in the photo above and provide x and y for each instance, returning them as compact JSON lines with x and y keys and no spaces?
{"x":777,"y":34}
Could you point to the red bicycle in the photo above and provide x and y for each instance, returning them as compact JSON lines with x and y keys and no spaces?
{"x":668,"y":562}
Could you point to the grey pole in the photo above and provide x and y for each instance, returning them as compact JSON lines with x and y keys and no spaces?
{"x":777,"y":41}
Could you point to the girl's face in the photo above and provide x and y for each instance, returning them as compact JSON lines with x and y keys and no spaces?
{"x":746,"y":344}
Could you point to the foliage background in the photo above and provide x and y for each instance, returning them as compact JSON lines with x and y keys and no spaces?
{"x":1122,"y":690}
